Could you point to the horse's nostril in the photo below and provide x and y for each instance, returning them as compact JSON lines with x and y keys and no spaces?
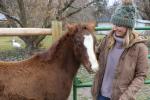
{"x":90,"y":65}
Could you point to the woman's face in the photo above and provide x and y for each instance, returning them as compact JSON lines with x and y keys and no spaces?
{"x":119,"y":31}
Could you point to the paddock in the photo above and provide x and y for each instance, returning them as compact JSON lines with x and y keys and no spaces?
{"x":49,"y":32}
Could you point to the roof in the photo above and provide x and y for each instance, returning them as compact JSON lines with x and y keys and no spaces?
{"x":103,"y":19}
{"x":143,"y":21}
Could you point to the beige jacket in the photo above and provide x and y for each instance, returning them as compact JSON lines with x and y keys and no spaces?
{"x":130,"y":72}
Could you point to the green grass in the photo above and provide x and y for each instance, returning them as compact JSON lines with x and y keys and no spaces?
{"x":6,"y":42}
{"x":47,"y":42}
{"x":99,"y":36}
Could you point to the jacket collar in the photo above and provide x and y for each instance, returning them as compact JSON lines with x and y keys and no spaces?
{"x":138,"y":39}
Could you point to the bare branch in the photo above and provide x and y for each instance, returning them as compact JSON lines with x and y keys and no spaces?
{"x":67,"y":5}
{"x":74,"y":7}
{"x":143,"y":7}
{"x":11,"y":17}
{"x":2,"y":5}
{"x":78,"y":10}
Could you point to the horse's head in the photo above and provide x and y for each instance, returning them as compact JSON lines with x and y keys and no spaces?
{"x":84,"y":41}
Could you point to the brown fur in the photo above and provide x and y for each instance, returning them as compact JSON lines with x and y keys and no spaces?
{"x":47,"y":75}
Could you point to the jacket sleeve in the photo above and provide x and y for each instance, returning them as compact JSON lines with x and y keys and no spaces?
{"x":99,"y":46}
{"x":140,"y":74}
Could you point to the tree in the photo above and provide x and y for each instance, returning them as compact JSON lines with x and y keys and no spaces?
{"x":17,"y":9}
{"x":111,"y":9}
{"x":143,"y":7}
{"x":38,"y":13}
{"x":101,"y":6}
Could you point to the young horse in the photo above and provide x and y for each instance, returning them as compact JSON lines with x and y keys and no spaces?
{"x":49,"y":75}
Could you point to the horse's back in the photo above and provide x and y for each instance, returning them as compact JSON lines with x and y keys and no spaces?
{"x":32,"y":80}
{"x":17,"y":79}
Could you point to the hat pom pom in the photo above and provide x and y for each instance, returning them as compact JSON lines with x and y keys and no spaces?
{"x":127,"y":2}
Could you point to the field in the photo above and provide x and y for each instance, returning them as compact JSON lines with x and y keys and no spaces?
{"x":8,"y":52}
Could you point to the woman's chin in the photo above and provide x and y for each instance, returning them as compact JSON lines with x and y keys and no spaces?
{"x":118,"y":35}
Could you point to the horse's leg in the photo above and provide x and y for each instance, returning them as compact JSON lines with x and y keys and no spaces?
{"x":2,"y":86}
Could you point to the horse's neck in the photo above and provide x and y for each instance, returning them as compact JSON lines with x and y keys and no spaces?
{"x":67,"y":59}
{"x":61,"y":54}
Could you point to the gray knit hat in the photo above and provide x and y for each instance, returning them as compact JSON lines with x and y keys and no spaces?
{"x":124,"y":15}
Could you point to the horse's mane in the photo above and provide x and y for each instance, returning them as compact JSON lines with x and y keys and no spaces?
{"x":50,"y":53}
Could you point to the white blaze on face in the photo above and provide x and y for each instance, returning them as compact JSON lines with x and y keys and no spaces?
{"x":89,"y":44}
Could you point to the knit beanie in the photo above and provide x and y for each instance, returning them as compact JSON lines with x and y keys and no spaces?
{"x":124,"y":14}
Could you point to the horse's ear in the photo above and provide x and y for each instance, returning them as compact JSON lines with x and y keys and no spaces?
{"x":91,"y":26}
{"x":71,"y":27}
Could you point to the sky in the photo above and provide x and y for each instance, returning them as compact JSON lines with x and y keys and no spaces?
{"x":111,"y":2}
{"x":2,"y":17}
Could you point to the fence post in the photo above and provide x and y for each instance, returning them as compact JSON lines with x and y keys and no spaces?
{"x":74,"y":89}
{"x":56,"y":30}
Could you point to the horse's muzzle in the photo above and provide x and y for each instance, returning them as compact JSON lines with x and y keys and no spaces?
{"x":89,"y":68}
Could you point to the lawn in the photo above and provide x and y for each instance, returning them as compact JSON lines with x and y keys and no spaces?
{"x":6,"y":42}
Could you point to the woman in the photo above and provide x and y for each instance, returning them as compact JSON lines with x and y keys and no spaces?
{"x":122,"y":56}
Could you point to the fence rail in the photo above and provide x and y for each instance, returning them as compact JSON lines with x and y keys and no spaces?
{"x":109,"y":28}
{"x":46,"y":31}
{"x":24,"y":31}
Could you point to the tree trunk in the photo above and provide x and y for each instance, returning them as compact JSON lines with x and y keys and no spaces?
{"x":32,"y":42}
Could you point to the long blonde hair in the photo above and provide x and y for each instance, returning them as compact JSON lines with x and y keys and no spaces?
{"x":129,"y":37}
